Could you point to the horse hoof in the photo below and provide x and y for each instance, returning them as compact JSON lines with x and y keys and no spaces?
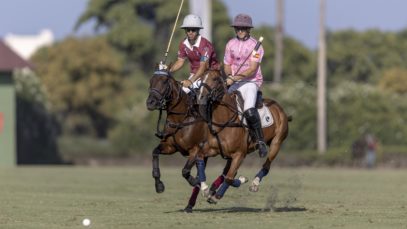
{"x":254,"y":188}
{"x":212,"y":200}
{"x":188,"y":209}
{"x":159,"y":187}
{"x":205,"y":193}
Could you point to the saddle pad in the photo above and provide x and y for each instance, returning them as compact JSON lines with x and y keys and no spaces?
{"x":265,"y":116}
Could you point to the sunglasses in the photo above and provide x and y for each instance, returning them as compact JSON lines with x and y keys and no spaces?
{"x":242,"y":29}
{"x":191,"y":30}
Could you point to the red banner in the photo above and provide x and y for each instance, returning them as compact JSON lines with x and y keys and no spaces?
{"x":1,"y":122}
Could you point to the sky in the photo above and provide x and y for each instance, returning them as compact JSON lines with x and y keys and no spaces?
{"x":28,"y":17}
{"x":302,"y":16}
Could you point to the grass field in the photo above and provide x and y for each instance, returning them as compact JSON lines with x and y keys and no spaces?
{"x":124,"y":197}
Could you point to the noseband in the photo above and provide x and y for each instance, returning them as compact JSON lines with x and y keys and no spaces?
{"x":216,"y":93}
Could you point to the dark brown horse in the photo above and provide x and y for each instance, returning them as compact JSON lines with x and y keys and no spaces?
{"x":230,"y":135}
{"x":184,"y":130}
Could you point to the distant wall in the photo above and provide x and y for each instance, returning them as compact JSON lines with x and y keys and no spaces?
{"x":7,"y":120}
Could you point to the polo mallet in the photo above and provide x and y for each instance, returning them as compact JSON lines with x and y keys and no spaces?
{"x":256,"y":48}
{"x":172,"y":33}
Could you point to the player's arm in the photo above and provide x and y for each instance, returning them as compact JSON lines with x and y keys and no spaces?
{"x":203,"y":65}
{"x":249,"y":72}
{"x":177,"y":65}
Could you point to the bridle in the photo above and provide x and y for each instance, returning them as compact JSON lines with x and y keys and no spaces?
{"x":166,"y":96}
{"x":214,"y":94}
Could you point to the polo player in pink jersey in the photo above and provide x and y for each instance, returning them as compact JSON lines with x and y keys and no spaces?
{"x":242,"y":66}
{"x":197,"y":49}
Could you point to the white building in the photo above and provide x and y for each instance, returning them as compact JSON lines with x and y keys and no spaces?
{"x":26,"y":45}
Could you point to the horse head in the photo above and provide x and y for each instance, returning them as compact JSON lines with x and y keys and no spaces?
{"x":212,"y":88}
{"x":160,"y":90}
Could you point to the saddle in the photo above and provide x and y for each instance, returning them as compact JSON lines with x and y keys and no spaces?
{"x":265,"y":115}
{"x":240,"y":102}
{"x":259,"y":100}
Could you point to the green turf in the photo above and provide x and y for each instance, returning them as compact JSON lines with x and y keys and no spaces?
{"x":114,"y":197}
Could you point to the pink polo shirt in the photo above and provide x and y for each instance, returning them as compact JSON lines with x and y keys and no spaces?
{"x":202,"y":50}
{"x":237,"y":51}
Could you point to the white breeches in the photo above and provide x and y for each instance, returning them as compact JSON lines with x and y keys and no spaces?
{"x":248,"y":91}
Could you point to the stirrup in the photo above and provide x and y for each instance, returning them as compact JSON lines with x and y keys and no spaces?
{"x":262,"y":147}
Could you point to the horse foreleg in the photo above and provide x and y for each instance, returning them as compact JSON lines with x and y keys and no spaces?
{"x":159,"y":185}
{"x":275,"y":147}
{"x":219,"y":180}
{"x":200,"y":166}
{"x":229,"y":179}
{"x":195,"y":190}
{"x":186,"y":171}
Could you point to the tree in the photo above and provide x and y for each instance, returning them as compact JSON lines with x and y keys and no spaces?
{"x":141,"y":29}
{"x":135,"y":27}
{"x":298,"y":62}
{"x":84,"y":80}
{"x":362,"y":56}
{"x":395,"y":80}
{"x":37,"y":129}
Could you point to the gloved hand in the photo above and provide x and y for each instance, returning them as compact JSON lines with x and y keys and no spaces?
{"x":230,"y":80}
{"x":186,"y":83}
{"x":162,"y":66}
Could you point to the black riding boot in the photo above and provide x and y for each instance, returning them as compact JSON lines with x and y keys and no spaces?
{"x":253,"y":120}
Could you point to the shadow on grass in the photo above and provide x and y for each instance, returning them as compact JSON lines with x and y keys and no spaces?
{"x":245,"y":210}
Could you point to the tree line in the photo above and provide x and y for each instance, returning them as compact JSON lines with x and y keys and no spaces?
{"x":96,"y":87}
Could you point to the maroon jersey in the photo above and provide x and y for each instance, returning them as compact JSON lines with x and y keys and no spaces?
{"x":202,"y":50}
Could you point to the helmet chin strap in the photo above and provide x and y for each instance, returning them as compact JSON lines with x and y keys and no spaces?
{"x":194,"y":40}
{"x":245,"y":38}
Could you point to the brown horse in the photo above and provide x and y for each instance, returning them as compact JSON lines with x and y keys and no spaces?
{"x":184,"y":130}
{"x":230,"y":135}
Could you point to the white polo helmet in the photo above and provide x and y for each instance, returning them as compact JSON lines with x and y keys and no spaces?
{"x":192,"y":21}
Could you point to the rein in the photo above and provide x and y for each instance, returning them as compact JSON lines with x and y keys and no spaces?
{"x":166,"y":98}
{"x":215,"y":96}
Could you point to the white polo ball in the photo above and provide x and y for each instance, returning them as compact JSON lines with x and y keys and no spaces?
{"x":86,"y":222}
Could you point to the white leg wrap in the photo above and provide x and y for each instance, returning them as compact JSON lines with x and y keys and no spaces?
{"x":256,"y":181}
{"x":204,"y":189}
{"x":204,"y":186}
{"x":243,"y":179}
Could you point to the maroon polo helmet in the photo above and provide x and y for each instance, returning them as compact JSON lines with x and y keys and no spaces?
{"x":242,"y":20}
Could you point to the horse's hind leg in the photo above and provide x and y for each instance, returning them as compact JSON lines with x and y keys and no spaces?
{"x":192,"y":199}
{"x":273,"y":151}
